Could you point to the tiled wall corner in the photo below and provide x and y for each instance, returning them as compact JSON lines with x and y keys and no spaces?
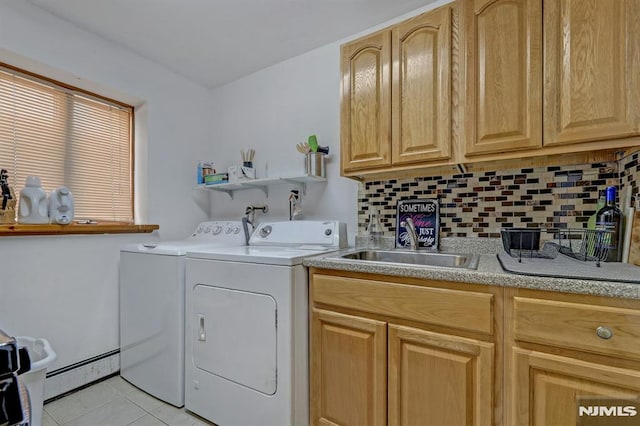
{"x":630,"y":172}
{"x":480,"y":204}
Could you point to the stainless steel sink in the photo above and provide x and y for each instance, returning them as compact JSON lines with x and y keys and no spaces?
{"x":411,"y":258}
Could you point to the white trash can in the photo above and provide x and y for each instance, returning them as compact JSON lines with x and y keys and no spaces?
{"x":42,"y":355}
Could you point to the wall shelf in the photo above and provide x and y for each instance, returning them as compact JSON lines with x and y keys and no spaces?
{"x":263,"y":184}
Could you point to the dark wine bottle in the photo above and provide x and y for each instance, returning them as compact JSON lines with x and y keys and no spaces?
{"x":610,"y":218}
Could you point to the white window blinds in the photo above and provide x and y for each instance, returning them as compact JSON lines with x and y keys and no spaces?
{"x":67,"y":137}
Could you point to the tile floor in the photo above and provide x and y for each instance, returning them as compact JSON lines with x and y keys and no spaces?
{"x":114,"y":402}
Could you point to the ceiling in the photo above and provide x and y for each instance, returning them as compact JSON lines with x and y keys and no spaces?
{"x":213,"y":42}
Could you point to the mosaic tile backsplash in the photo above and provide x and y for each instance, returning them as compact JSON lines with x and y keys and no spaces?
{"x":480,"y":204}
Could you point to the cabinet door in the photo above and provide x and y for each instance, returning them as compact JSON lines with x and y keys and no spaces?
{"x":503,"y":105}
{"x":421,"y":91}
{"x":437,"y":379}
{"x":366,"y":102}
{"x":548,"y":388}
{"x":348,"y":370}
{"x":591,"y":70}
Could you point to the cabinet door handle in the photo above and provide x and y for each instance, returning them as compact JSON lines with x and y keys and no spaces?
{"x":604,"y":332}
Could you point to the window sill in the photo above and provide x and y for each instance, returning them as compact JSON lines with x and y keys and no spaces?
{"x":18,"y":229}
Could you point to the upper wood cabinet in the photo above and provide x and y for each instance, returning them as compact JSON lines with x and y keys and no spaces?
{"x":591,"y":67}
{"x":503,"y":97}
{"x":421,"y":90}
{"x":366,"y":102}
{"x":484,"y":80}
{"x":580,"y":86}
{"x":396,"y":95}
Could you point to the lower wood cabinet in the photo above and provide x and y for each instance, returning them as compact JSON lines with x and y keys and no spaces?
{"x":405,"y":351}
{"x":567,"y":350}
{"x":548,"y":387}
{"x":348,"y":370}
{"x":437,"y":379}
{"x":372,"y":370}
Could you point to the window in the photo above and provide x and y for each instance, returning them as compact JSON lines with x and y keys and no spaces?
{"x":67,"y":137}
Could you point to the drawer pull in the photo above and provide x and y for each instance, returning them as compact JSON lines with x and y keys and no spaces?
{"x":604,"y":332}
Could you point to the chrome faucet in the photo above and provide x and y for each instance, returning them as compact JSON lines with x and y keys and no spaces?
{"x":245,"y":226}
{"x":248,"y":219}
{"x":411,"y":231}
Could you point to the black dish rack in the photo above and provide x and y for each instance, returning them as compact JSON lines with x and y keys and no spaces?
{"x":582,"y":244}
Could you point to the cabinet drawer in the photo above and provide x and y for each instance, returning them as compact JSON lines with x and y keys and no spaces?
{"x":578,"y":326}
{"x":465,"y":310}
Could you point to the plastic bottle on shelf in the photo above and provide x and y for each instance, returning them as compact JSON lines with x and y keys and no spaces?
{"x":33,"y":207}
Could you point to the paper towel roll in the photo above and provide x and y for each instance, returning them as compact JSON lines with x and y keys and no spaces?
{"x":628,"y":226}
{"x":634,"y":248}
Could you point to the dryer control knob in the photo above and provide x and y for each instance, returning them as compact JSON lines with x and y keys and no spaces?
{"x":217,"y":230}
{"x":265,"y":231}
{"x":328,"y":232}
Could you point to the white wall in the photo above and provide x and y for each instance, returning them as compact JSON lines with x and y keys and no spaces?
{"x":66,"y":288}
{"x":271,"y":111}
{"x":276,"y":108}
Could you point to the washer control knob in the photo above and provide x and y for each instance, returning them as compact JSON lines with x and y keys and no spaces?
{"x":328,"y":232}
{"x":265,"y":231}
{"x":217,"y":230}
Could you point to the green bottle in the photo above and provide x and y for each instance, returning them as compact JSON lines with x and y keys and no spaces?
{"x":610,"y":218}
{"x":591,"y":223}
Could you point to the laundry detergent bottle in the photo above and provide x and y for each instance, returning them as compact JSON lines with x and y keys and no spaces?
{"x":61,"y":206}
{"x":33,"y":206}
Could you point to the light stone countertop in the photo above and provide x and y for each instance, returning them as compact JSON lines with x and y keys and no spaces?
{"x":489,"y":271}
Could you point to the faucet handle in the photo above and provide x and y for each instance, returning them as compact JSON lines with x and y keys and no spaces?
{"x":408,"y":223}
{"x":411,"y":231}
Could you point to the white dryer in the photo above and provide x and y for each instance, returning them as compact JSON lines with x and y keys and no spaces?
{"x":247,"y":325}
{"x":152,"y":280}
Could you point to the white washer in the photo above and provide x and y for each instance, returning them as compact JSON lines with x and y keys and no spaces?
{"x":247,"y":325}
{"x":152,"y":308}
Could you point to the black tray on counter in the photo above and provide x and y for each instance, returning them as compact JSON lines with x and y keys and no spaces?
{"x":563,"y":266}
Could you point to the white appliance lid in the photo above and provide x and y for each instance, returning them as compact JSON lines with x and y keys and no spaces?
{"x":286,"y":256}
{"x":169,"y":248}
{"x":206,"y":234}
{"x":282,"y":243}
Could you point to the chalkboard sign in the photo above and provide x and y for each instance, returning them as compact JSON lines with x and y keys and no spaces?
{"x":426,"y":217}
